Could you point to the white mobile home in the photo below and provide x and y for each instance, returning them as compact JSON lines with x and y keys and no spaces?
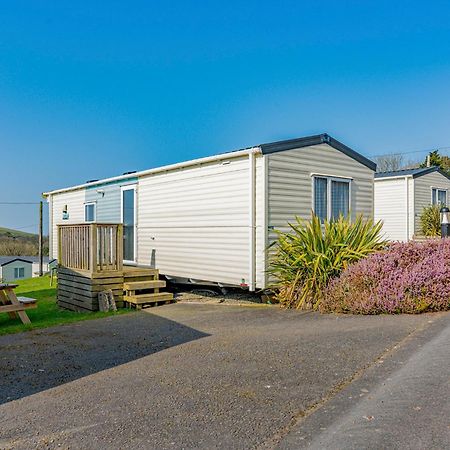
{"x":211,"y":219}
{"x":400,"y":197}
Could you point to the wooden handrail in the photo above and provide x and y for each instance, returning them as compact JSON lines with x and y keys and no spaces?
{"x":91,"y":247}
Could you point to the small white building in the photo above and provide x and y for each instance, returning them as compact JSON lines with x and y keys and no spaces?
{"x":13,"y":268}
{"x":400,"y":197}
{"x":211,"y":219}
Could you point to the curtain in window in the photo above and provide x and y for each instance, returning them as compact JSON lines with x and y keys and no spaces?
{"x":320,"y":198}
{"x":339,"y":198}
{"x":442,"y":197}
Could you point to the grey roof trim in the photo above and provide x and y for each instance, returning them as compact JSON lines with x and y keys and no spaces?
{"x":415,"y":173}
{"x":29,"y":259}
{"x":264,"y":148}
{"x":324,"y":138}
{"x":16,"y":259}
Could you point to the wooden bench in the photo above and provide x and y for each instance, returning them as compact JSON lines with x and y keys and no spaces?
{"x":13,"y":305}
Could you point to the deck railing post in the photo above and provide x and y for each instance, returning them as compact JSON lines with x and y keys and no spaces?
{"x":59,"y":257}
{"x":91,"y":247}
{"x":119,"y":246}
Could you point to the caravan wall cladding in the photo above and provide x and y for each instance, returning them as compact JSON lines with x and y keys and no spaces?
{"x":213,"y":221}
{"x":192,"y":222}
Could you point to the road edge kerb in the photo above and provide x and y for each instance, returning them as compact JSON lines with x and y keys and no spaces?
{"x":249,"y":305}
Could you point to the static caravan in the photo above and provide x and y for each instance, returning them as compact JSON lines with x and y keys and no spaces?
{"x":400,"y":197}
{"x":17,"y":267}
{"x":211,"y":219}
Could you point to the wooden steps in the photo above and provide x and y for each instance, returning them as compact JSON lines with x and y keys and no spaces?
{"x":139,"y":273}
{"x":137,"y":285}
{"x":141,"y":288}
{"x":142,"y":299}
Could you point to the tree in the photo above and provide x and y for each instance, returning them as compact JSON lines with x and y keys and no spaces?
{"x":389,"y":163}
{"x":435,"y":159}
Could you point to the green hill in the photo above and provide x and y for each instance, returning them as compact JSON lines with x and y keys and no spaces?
{"x":20,"y":243}
{"x":8,"y":232}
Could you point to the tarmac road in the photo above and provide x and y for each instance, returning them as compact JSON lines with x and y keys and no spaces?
{"x":195,"y":376}
{"x":403,"y":402}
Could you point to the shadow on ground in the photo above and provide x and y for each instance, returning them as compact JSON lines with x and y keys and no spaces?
{"x":38,"y":360}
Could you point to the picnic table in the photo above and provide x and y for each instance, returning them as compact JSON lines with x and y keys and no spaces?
{"x":13,"y":305}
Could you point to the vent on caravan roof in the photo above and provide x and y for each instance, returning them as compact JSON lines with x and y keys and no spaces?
{"x":129,"y":173}
{"x":91,"y":181}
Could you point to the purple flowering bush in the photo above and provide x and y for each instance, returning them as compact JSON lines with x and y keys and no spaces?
{"x":411,"y":277}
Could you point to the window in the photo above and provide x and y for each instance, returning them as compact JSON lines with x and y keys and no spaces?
{"x":129,"y":222}
{"x":19,"y":272}
{"x":65,"y":213}
{"x":438,"y":196}
{"x":339,"y":198}
{"x":331,"y":197}
{"x":89,"y":212}
{"x":321,"y":198}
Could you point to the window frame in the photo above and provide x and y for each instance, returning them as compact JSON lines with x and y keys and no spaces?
{"x":131,"y":187}
{"x":438,"y":189}
{"x":330,"y":179}
{"x":94,"y":204}
{"x":18,"y":276}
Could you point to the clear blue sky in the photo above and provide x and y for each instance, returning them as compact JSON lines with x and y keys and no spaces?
{"x":92,"y":89}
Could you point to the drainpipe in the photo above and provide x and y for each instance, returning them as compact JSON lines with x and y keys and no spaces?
{"x":252,"y":220}
{"x":407,"y":208}
{"x":50,"y":227}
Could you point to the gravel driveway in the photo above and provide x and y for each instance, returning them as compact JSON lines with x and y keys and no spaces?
{"x":183,"y":375}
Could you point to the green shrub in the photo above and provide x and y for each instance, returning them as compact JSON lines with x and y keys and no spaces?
{"x":311,"y":254}
{"x":408,"y":277}
{"x":430,"y":221}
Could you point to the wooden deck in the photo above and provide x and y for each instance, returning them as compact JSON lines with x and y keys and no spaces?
{"x":91,"y":262}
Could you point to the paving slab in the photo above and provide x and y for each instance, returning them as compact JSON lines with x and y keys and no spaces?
{"x":183,"y":376}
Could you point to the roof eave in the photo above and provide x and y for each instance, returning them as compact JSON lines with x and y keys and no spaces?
{"x":421,"y":173}
{"x":432,"y":169}
{"x":16,"y":259}
{"x":181,"y":165}
{"x":309,"y":141}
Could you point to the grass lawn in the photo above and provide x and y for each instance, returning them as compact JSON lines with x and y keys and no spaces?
{"x":47,"y":313}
